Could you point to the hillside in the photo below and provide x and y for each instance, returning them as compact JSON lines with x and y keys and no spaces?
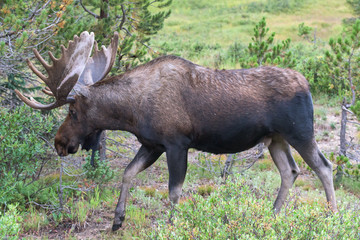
{"x":216,"y":25}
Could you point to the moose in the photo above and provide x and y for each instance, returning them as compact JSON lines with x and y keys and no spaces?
{"x":171,"y":104}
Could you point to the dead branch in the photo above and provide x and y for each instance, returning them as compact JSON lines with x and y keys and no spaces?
{"x":88,"y":11}
{"x":123,"y":19}
{"x":353,"y":122}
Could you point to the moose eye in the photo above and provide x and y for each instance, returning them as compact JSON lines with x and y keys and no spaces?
{"x":72,"y":113}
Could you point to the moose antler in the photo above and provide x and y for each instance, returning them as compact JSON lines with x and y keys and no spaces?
{"x":65,"y":71}
{"x":99,"y":65}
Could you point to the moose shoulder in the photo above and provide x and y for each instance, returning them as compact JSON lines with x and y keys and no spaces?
{"x":172,"y":105}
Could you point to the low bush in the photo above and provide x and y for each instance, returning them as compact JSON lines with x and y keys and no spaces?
{"x":10,"y":223}
{"x":100,"y":173}
{"x":23,"y":153}
{"x":243,"y":210}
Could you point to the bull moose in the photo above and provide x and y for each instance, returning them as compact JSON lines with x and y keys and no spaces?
{"x":171,"y":104}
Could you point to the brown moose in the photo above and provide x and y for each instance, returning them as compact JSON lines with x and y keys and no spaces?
{"x":171,"y":105}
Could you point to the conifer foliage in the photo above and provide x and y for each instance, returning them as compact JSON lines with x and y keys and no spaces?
{"x":263,"y":50}
{"x":44,"y":25}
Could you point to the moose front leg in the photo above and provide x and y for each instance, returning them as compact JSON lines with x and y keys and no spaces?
{"x":144,"y":158}
{"x":177,"y":165}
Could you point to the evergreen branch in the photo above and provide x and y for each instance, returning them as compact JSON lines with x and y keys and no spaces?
{"x":127,"y":31}
{"x":31,"y":16}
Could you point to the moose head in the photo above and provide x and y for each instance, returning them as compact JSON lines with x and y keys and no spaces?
{"x":68,"y":80}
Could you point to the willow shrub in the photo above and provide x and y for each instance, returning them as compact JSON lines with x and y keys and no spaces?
{"x":23,"y":153}
{"x":241,"y":210}
{"x":10,"y":223}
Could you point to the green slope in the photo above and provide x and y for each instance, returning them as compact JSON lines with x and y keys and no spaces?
{"x":213,"y":24}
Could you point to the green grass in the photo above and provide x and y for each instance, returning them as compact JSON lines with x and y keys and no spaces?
{"x":350,"y":184}
{"x":219,"y":24}
{"x":34,"y":220}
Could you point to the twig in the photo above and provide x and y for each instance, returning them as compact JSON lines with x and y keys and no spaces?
{"x":353,"y":122}
{"x":45,"y":206}
{"x":119,"y":154}
{"x":123,"y":19}
{"x":250,"y":165}
{"x":88,"y":11}
{"x":346,"y":108}
{"x":60,"y":194}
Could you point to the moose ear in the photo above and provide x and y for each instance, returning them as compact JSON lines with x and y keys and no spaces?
{"x":99,"y":65}
{"x":70,"y":99}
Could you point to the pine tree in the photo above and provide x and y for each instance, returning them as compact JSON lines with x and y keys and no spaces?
{"x":24,"y":24}
{"x":263,"y":51}
{"x":133,"y":20}
{"x":343,"y":61}
{"x":343,"y":66}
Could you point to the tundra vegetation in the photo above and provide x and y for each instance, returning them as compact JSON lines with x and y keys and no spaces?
{"x":45,"y":196}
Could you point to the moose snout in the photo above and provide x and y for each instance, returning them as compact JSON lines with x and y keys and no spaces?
{"x":63,"y":151}
{"x":64,"y":148}
{"x":73,"y":149}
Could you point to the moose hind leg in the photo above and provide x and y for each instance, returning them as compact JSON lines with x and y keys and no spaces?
{"x":177,"y":165}
{"x":144,"y":158}
{"x":281,"y":155}
{"x":321,"y":166}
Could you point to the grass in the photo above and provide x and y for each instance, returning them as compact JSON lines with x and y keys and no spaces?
{"x":35,"y":219}
{"x":219,"y":24}
{"x":265,"y":165}
{"x":352,"y":185}
{"x":205,"y":190}
{"x":95,"y":199}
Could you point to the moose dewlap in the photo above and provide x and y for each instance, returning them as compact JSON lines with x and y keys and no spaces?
{"x":171,"y":105}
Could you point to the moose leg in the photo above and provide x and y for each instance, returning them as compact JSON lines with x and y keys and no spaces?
{"x":177,"y":165}
{"x":322,"y":167}
{"x":281,"y":155}
{"x":144,"y":158}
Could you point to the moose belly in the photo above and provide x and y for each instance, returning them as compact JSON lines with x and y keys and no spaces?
{"x":230,"y":138}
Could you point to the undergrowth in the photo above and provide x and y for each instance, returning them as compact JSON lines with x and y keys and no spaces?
{"x":242,"y":209}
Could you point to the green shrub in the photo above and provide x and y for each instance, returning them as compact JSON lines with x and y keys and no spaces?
{"x":23,"y":152}
{"x":10,"y":223}
{"x":243,"y":210}
{"x":356,"y":109}
{"x":101,"y":173}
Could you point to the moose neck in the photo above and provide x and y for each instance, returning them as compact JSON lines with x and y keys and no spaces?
{"x":111,"y":107}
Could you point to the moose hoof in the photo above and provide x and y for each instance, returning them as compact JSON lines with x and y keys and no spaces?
{"x":118,"y":225}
